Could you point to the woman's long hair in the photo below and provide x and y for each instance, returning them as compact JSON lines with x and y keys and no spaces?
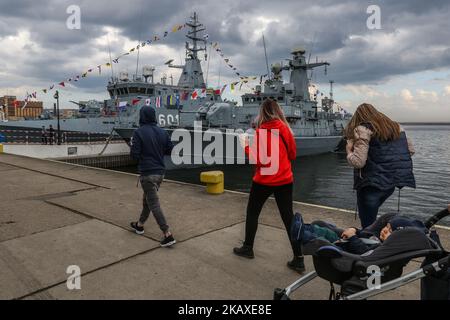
{"x":270,"y":110}
{"x":382,"y":127}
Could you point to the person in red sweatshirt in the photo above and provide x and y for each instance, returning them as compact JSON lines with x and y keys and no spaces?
{"x":272,"y":150}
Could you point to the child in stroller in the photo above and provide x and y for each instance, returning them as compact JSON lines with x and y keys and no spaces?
{"x":388,"y":245}
{"x":352,"y":239}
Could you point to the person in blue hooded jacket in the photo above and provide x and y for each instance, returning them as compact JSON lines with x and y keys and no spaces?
{"x":149,"y":145}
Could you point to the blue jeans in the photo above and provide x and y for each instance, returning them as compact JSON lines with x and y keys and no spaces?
{"x":370,"y":200}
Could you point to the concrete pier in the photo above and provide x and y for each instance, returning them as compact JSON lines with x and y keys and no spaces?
{"x":93,"y":154}
{"x":67,"y":151}
{"x":54,"y":215}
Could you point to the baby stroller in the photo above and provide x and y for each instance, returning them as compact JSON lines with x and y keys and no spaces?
{"x":355,"y":273}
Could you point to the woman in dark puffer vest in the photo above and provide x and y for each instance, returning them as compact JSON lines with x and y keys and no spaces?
{"x":380,"y":152}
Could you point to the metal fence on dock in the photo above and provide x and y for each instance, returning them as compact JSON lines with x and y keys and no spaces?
{"x":105,"y":161}
{"x":36,"y":137}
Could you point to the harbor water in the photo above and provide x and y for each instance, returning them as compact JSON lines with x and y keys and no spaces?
{"x":327,"y":179}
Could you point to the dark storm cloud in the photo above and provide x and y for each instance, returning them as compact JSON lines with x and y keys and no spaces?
{"x":333,"y":30}
{"x":327,"y":30}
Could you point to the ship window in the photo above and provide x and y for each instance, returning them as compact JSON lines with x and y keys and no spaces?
{"x":111,"y":93}
{"x":133,"y":90}
{"x":259,"y":98}
{"x":280,"y":98}
{"x":125,"y":90}
{"x":142,"y":90}
{"x":150,"y":91}
{"x":246,"y":99}
{"x":264,"y":98}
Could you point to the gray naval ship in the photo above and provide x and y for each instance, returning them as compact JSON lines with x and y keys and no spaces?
{"x":175,"y":108}
{"x":317,"y":128}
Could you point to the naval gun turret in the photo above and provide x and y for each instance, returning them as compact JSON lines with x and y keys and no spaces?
{"x":217,"y":114}
{"x":91,"y":108}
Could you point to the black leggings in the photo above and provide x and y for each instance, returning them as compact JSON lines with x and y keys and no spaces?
{"x":258,"y":196}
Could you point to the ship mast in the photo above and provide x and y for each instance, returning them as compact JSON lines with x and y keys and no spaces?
{"x":192,"y":74}
{"x":196,"y":28}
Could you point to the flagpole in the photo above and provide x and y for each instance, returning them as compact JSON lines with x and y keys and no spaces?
{"x":137,"y":62}
{"x":207,"y":70}
{"x":265,"y":54}
{"x":139,"y":44}
{"x":220,"y":70}
{"x":110,"y":59}
{"x":56,"y":96}
{"x":112,"y":79}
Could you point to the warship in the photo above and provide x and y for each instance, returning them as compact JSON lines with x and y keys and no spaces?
{"x":128,"y":94}
{"x":317,"y":128}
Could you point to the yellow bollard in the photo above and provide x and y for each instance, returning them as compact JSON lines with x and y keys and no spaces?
{"x":1,"y":148}
{"x":214,"y":181}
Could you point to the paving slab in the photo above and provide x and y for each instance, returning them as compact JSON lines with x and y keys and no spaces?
{"x":271,"y":216}
{"x":21,"y":184}
{"x":93,"y":176}
{"x":54,"y":215}
{"x":5,"y":167}
{"x":189,"y":211}
{"x":200,"y":268}
{"x":42,"y":259}
{"x":205,"y":268}
{"x":25,"y":217}
{"x":14,"y":283}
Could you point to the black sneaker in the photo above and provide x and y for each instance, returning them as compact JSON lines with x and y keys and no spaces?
{"x":244,"y":251}
{"x":168,"y":241}
{"x":297,"y":264}
{"x":136,"y":228}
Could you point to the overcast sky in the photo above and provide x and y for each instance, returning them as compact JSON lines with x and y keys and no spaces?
{"x":403,"y":68}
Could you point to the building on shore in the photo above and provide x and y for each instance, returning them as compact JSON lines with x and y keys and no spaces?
{"x":14,"y":109}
